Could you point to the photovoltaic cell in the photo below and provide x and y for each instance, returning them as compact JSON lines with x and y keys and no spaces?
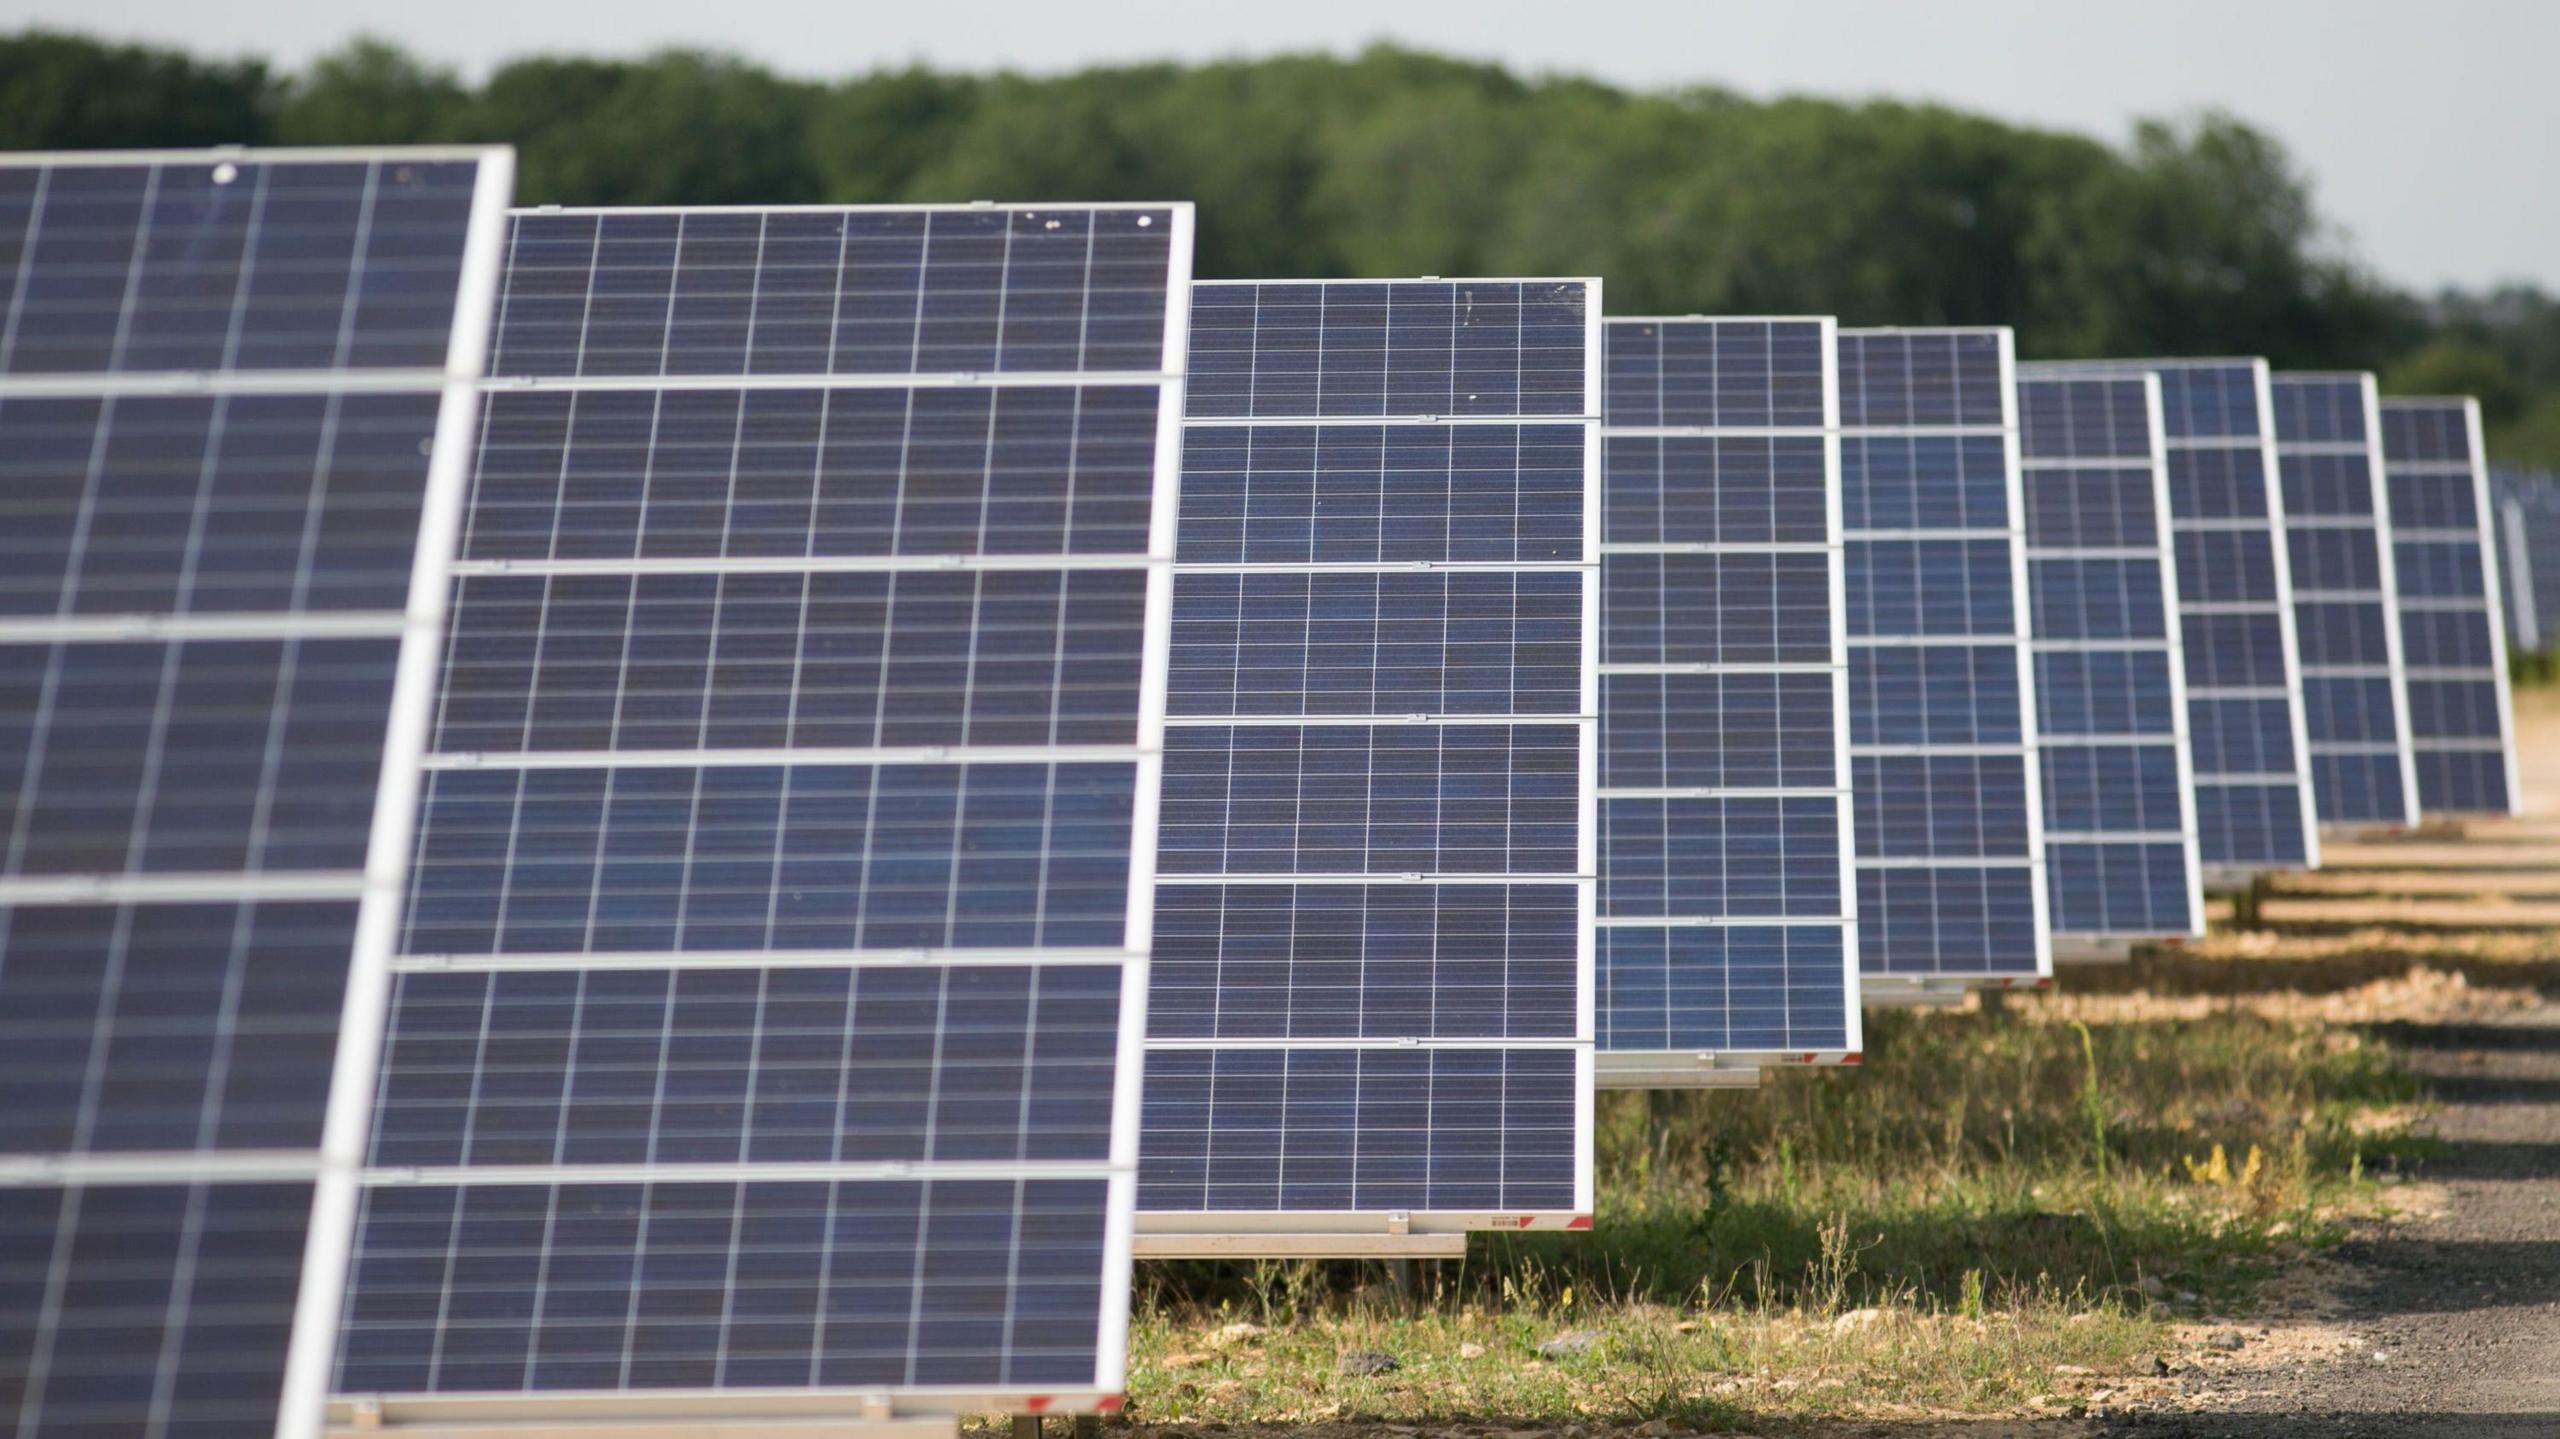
{"x":234,"y":414}
{"x":1374,"y":891}
{"x":2445,"y":562}
{"x":1725,"y":896}
{"x":2338,"y":538}
{"x":2110,"y":672}
{"x":2227,"y":514}
{"x":786,"y":837}
{"x":1947,"y":773}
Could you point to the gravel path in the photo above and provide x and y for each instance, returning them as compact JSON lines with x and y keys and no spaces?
{"x":2452,"y":1323}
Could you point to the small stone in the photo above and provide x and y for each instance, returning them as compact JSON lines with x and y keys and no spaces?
{"x":2151,"y":1364}
{"x":1655,"y":1430}
{"x":1471,"y":1351}
{"x":1186,"y":1361}
{"x":2073,"y":1369}
{"x":1857,"y":1321}
{"x":2227,"y":1339}
{"x":1566,"y":1346}
{"x":2151,"y":1288}
{"x":1236,"y":1333}
{"x":2189,"y":1296}
{"x":1366,"y":1363}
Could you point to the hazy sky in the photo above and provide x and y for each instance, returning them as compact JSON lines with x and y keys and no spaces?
{"x":2431,"y":129}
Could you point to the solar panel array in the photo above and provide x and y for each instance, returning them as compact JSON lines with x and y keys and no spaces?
{"x":235,"y":401}
{"x":2528,"y":530}
{"x":1945,"y":773}
{"x":2110,"y":675}
{"x":2444,"y":559}
{"x":2345,"y":603}
{"x":2249,"y":747}
{"x":766,"y":1012}
{"x":1726,"y":938}
{"x":1372,"y":972}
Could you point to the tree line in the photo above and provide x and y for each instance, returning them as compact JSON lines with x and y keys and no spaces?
{"x":2194,"y":237}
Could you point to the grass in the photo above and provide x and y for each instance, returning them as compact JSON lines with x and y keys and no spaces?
{"x":1991,"y":1200}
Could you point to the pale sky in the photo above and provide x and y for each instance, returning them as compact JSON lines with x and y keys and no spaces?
{"x":2432,"y":130}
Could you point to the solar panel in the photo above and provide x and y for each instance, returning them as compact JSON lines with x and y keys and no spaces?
{"x":763,"y":1027}
{"x":2345,"y":603}
{"x":2250,"y":748}
{"x":1942,"y":739}
{"x":1370,"y":1024}
{"x":2461,"y":720}
{"x":236,"y":397}
{"x":2528,"y":554}
{"x":1726,"y":935}
{"x":2110,"y":673}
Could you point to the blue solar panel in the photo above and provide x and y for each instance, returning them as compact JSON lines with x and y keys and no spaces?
{"x":1374,"y":896}
{"x":733,"y":1285}
{"x":1454,"y":1129}
{"x":2337,"y":538}
{"x":1951,"y":880}
{"x":2110,"y":673}
{"x":2445,"y":560}
{"x":783,"y":856}
{"x":266,"y":263}
{"x":2251,"y":755}
{"x":1725,"y":895}
{"x":229,"y":393}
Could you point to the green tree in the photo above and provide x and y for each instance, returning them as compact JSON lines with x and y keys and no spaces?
{"x":2452,"y":367}
{"x":66,"y":92}
{"x":371,"y":93}
{"x":868,"y":137}
{"x":678,"y":128}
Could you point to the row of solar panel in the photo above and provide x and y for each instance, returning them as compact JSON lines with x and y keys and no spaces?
{"x":718,"y":659}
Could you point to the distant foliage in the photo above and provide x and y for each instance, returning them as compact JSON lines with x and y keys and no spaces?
{"x":2197,"y":237}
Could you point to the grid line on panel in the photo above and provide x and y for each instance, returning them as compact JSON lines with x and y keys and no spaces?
{"x":2339,"y":536}
{"x":1720,"y":665}
{"x":1943,"y":737}
{"x":1377,"y":685}
{"x":2120,"y":855}
{"x":2445,"y":563}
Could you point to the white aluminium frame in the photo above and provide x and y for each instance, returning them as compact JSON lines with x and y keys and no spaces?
{"x":1430,"y":1233}
{"x":894,"y":1412}
{"x":2484,"y":534}
{"x":2387,"y":595}
{"x":1740,"y":1068}
{"x":1891,"y":989}
{"x":2516,"y":554}
{"x":2111,"y":945}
